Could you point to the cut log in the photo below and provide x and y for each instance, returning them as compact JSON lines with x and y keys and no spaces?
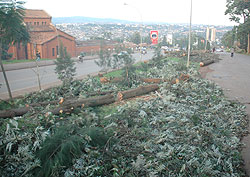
{"x":136,"y":92}
{"x":14,"y":112}
{"x":68,"y":106}
{"x":104,"y":80}
{"x":205,"y":63}
{"x":100,"y":93}
{"x":152,"y":80}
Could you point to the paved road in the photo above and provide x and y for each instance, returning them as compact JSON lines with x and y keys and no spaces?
{"x":25,"y":80}
{"x":233,"y":75}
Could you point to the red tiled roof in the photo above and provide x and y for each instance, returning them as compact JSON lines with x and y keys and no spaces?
{"x":31,"y":13}
{"x":41,"y":37}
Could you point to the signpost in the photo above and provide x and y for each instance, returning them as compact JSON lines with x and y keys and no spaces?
{"x":154,"y":36}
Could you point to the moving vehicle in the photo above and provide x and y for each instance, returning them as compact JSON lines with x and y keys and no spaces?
{"x":81,"y":56}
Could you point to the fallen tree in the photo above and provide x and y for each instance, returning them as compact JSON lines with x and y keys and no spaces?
{"x":205,"y":63}
{"x":152,"y":80}
{"x":68,"y":106}
{"x":136,"y":92}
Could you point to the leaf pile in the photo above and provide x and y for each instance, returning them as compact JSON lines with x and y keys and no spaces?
{"x":184,"y":129}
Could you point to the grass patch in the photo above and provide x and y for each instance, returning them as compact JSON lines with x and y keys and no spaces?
{"x":117,"y":73}
{"x":21,"y":61}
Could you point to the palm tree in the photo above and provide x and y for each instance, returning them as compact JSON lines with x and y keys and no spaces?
{"x":12,"y":28}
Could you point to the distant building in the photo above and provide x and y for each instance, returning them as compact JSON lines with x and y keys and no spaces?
{"x":94,"y":46}
{"x":170,"y":39}
{"x":45,"y":38}
{"x":211,"y":34}
{"x":207,"y":34}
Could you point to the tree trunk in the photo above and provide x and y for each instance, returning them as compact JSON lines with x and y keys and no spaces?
{"x":248,"y":45}
{"x":152,"y":80}
{"x":100,"y":93}
{"x":4,"y":74}
{"x":70,"y":105}
{"x":205,"y":63}
{"x":14,"y":112}
{"x":136,"y":92}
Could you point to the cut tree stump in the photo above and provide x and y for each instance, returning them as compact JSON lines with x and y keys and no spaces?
{"x":205,"y":63}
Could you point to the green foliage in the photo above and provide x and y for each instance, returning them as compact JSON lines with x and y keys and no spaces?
{"x":136,"y":38}
{"x":104,"y":59}
{"x":228,"y":39}
{"x":157,"y":54}
{"x":5,"y":54}
{"x":65,"y":69}
{"x":68,"y":143}
{"x":128,"y":70}
{"x":12,"y":28}
{"x":240,"y":9}
{"x":164,"y":41}
{"x":184,"y":129}
{"x":59,"y":150}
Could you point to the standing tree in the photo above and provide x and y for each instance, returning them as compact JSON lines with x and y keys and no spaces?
{"x":104,"y":59}
{"x":125,"y":60}
{"x":12,"y":29}
{"x":136,"y":38}
{"x":240,"y":9}
{"x":65,"y":69}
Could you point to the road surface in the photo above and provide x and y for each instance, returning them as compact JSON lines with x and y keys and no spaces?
{"x":25,"y":80}
{"x":233,"y":75}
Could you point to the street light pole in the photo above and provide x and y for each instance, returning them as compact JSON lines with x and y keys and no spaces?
{"x":140,"y":28}
{"x":189,"y":41}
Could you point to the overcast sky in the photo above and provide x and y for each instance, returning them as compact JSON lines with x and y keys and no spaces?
{"x":209,"y":12}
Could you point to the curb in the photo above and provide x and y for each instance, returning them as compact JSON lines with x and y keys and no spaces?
{"x":26,"y":65}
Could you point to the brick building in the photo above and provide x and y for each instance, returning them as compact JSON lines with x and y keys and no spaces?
{"x":94,"y":46}
{"x":44,"y":38}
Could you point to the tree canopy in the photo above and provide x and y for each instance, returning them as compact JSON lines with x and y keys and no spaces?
{"x":239,"y":11}
{"x":12,"y":27}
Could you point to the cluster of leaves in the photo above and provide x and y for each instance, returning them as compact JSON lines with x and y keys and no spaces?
{"x":185,"y":129}
{"x":65,"y":69}
{"x":239,"y":10}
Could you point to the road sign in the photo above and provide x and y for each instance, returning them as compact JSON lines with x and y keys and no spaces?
{"x":154,"y":36}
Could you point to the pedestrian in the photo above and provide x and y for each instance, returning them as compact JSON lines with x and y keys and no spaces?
{"x":38,"y":56}
{"x":213,"y":49}
{"x":232,"y":52}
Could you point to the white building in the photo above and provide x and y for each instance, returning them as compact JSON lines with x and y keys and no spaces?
{"x":170,"y":39}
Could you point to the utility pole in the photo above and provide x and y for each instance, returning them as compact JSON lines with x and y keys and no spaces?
{"x":140,"y":28}
{"x":189,"y":41}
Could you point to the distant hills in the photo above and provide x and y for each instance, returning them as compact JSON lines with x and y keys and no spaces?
{"x":79,"y":19}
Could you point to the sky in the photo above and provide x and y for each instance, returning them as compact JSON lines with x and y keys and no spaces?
{"x":209,"y":12}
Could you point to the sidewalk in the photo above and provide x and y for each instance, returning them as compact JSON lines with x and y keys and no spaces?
{"x":233,"y":75}
{"x":25,"y":65}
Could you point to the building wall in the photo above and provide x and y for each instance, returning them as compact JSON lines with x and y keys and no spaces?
{"x":37,"y":21}
{"x":51,"y":48}
{"x":92,"y":49}
{"x":17,"y":51}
